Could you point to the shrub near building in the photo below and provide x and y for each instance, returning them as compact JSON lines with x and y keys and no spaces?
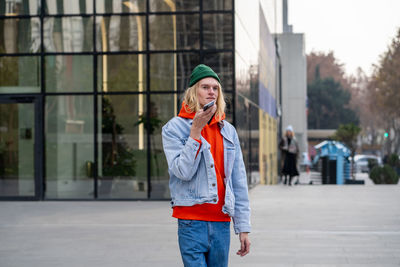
{"x":388,"y":173}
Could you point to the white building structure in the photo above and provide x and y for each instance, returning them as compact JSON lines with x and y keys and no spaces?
{"x":294,"y":81}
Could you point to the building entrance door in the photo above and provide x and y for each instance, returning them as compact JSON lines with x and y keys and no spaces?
{"x":20,"y":155}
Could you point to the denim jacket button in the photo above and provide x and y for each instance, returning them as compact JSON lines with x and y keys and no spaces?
{"x":215,"y":200}
{"x":212,"y":166}
{"x":213,"y":184}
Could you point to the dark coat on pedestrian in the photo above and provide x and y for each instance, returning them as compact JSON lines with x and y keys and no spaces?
{"x":290,"y":154}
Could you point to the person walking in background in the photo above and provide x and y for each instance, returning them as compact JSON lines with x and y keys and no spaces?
{"x":208,"y":180}
{"x":290,"y":154}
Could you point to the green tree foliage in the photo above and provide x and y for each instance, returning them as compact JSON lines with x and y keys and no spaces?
{"x":8,"y":70}
{"x":394,"y":161}
{"x":328,"y":104}
{"x":384,"y":91}
{"x":118,"y":159}
{"x":347,"y":134}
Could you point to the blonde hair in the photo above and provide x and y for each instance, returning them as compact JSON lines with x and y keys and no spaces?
{"x":193,"y":105}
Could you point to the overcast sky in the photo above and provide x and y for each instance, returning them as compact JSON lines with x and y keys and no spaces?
{"x":358,"y":31}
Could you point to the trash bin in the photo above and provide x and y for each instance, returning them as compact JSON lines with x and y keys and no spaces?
{"x":332,"y":171}
{"x":328,"y":172}
{"x":325,"y":169}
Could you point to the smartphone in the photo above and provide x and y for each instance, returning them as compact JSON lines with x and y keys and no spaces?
{"x":207,"y":106}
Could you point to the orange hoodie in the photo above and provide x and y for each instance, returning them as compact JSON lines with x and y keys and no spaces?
{"x":208,"y":212}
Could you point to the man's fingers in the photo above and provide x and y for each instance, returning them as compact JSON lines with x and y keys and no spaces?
{"x":247,"y":249}
{"x":202,"y":117}
{"x":207,"y":113}
{"x":244,"y":247}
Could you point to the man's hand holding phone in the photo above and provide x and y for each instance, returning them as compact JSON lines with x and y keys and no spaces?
{"x":201,"y":118}
{"x":208,"y":105}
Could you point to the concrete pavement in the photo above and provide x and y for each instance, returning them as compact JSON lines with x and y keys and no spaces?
{"x":305,"y":225}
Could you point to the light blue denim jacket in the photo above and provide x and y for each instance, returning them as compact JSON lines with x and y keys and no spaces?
{"x":191,"y":176}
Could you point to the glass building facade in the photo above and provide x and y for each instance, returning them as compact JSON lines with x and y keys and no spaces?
{"x":257,"y":91}
{"x":86,"y":85}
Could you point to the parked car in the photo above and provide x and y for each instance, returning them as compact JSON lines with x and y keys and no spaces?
{"x":361,"y":162}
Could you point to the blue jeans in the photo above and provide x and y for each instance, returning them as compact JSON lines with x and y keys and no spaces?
{"x":204,"y":243}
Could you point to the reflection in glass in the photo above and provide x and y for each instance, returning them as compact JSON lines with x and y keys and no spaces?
{"x":242,"y":116}
{"x":217,"y":31}
{"x":229,"y":107}
{"x":121,"y":33}
{"x":217,"y":4}
{"x":120,"y":6}
{"x":247,"y":126}
{"x":55,"y":7}
{"x":69,"y":146}
{"x":171,"y":32}
{"x":242,"y":76}
{"x":69,"y":73}
{"x":19,"y":7}
{"x":170,"y":72}
{"x":162,"y":109}
{"x":68,"y":34}
{"x":121,"y":73}
{"x":122,"y":147}
{"x":20,"y":74}
{"x":254,"y":144}
{"x":222,"y":64}
{"x":17,"y":135}
{"x":174,"y":5}
{"x":20,"y":35}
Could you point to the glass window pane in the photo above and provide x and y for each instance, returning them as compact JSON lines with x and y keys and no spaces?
{"x":222,"y":64}
{"x":242,"y":71}
{"x":229,"y":107}
{"x":121,"y":33}
{"x":162,"y":109}
{"x":68,"y":34}
{"x":254,"y":144}
{"x":122,"y":146}
{"x":69,"y":142}
{"x":17,"y":135}
{"x":55,"y":7}
{"x":21,"y":7}
{"x":120,"y":6}
{"x":217,"y":4}
{"x":20,"y":74}
{"x":174,"y":5}
{"x":171,"y":32}
{"x":242,"y":127}
{"x":217,"y":31}
{"x":20,"y":35}
{"x":69,"y":73}
{"x":121,"y":73}
{"x":170,"y":72}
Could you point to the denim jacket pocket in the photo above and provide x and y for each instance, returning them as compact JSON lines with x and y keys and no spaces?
{"x":229,"y":160}
{"x":187,"y":189}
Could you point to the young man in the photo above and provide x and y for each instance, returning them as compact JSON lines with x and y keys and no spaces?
{"x":208,"y":181}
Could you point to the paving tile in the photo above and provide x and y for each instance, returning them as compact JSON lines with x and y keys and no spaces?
{"x":300,"y":226}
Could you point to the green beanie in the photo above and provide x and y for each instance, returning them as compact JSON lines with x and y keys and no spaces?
{"x":200,"y":72}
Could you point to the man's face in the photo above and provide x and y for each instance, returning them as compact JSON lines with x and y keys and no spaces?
{"x":207,"y":90}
